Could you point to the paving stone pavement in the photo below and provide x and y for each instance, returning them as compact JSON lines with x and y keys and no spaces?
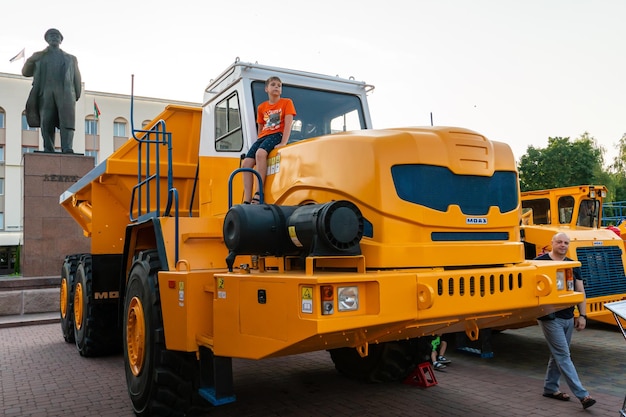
{"x":41,"y":375}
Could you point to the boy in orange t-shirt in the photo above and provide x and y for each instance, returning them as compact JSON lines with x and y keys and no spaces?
{"x":274,"y":119}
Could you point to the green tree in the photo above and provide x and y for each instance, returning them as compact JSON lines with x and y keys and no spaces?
{"x":562,"y":163}
{"x":618,"y":172}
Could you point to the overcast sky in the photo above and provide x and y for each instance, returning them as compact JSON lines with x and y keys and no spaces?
{"x":516,"y":71}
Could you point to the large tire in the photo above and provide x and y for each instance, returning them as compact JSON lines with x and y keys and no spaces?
{"x":96,"y":330}
{"x":66,"y":304}
{"x":160,"y":382}
{"x":389,"y":361}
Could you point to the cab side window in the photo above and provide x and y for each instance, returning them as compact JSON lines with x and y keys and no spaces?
{"x":588,"y":213}
{"x":228,"y":132}
{"x":566,"y":209}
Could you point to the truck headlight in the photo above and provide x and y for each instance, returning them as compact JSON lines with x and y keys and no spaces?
{"x":560,"y":280}
{"x":348,"y":298}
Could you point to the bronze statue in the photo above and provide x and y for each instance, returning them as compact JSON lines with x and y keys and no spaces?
{"x":56,"y":89}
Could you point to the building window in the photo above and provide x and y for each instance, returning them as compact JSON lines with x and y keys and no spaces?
{"x":25,"y":125}
{"x":1,"y":221}
{"x":1,"y":154}
{"x":2,"y":117}
{"x":94,"y":154}
{"x":119,"y":129}
{"x":91,"y":127}
{"x":1,"y":186}
{"x":29,"y":149}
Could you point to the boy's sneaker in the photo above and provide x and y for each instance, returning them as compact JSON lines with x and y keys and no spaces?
{"x":443,"y":359}
{"x":438,"y":366}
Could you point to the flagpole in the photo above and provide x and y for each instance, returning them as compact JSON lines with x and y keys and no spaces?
{"x":95,"y":117}
{"x":20,"y":55}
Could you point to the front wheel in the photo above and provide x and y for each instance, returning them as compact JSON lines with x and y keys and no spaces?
{"x":160,"y":381}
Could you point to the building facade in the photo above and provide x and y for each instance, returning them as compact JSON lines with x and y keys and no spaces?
{"x":102,"y":125}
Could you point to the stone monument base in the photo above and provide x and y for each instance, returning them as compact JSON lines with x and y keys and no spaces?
{"x":50,"y":233}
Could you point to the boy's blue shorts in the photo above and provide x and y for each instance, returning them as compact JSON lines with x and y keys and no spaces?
{"x":266,"y":143}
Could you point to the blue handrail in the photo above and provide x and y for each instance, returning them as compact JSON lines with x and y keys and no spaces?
{"x":146,"y":178}
{"x":230,"y":184}
{"x":613,"y":212}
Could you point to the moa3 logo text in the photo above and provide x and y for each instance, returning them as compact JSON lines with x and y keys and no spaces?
{"x":475,"y":220}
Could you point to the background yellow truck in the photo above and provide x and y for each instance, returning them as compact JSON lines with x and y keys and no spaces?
{"x":577,"y":211}
{"x":366,"y":241}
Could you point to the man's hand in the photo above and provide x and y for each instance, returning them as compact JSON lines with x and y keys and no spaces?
{"x":580,"y":323}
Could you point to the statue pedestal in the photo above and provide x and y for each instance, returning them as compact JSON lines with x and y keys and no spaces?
{"x":50,"y":233}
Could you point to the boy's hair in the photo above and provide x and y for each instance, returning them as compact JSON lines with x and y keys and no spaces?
{"x":272,"y":78}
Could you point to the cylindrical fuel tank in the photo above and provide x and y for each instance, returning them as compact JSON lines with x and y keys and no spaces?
{"x":318,"y":229}
{"x":259,"y":229}
{"x":326,"y":229}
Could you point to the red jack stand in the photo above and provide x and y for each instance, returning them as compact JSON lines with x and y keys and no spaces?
{"x":422,"y":376}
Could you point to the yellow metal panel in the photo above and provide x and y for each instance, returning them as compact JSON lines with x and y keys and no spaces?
{"x":214,"y":175}
{"x":201,"y":243}
{"x":187,"y":307}
{"x":267,"y":319}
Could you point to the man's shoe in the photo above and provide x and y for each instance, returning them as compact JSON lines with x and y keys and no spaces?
{"x":438,"y":366}
{"x":587,"y":402}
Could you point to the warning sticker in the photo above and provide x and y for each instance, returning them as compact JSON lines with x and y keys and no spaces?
{"x":294,"y":237}
{"x":307,"y":293}
{"x":273,"y":165}
{"x":307,"y":299}
{"x":181,"y":294}
{"x":220,"y":283}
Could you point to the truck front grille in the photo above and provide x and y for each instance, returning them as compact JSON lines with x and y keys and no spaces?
{"x":602,"y":270}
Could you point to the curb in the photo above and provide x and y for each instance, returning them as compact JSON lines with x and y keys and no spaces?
{"x":29,"y":319}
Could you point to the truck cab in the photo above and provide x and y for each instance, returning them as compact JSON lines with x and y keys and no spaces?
{"x":324,"y":105}
{"x":577,"y":211}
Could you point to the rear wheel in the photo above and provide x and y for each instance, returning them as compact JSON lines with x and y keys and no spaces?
{"x":95,"y":325}
{"x":389,"y":361}
{"x":160,"y":382}
{"x":66,"y":304}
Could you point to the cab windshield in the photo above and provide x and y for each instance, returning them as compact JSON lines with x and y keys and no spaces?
{"x":318,"y":112}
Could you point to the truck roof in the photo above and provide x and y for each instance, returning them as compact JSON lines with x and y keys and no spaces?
{"x":255,"y":71}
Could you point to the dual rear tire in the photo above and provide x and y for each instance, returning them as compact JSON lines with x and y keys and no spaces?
{"x":66,"y":308}
{"x":91,"y":326}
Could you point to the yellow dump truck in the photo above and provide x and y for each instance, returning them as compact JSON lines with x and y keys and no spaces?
{"x":365,"y":241}
{"x":577,"y":211}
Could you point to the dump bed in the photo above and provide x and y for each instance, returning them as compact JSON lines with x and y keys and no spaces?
{"x":100,"y":201}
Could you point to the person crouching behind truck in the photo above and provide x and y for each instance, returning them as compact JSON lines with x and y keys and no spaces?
{"x":274,"y":120}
